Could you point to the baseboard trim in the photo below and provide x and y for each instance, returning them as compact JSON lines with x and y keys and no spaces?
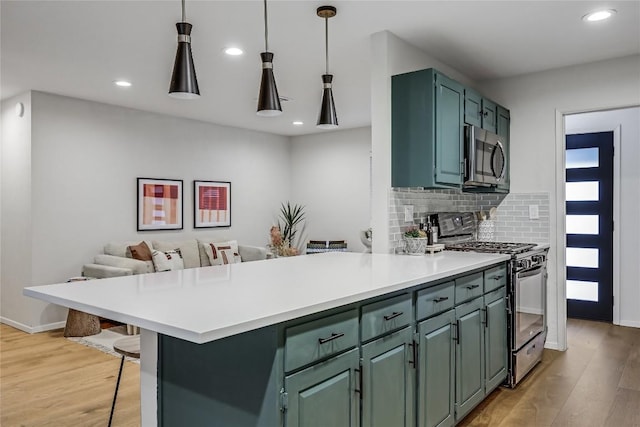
{"x":630,"y":323}
{"x":32,"y":329}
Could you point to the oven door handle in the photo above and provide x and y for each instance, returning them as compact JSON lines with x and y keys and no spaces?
{"x":529,"y":273}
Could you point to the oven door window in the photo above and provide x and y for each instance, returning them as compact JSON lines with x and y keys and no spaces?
{"x":529,"y":316}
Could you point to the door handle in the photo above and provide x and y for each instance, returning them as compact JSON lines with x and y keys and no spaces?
{"x":473,"y":286}
{"x":393,"y":315}
{"x":333,"y":336}
{"x":440,"y":299}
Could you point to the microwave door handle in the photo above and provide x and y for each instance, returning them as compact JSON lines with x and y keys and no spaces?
{"x":504,"y":161}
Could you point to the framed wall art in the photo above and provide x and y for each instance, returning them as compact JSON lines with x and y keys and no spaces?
{"x":212,"y":204}
{"x":159,"y":204}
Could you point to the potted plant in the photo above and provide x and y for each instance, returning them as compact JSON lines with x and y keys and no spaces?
{"x":415,"y":241}
{"x":283,"y":235}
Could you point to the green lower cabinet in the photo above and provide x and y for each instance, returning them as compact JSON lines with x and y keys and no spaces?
{"x":495,"y":339}
{"x":469,"y":356}
{"x":388,"y":381}
{"x":324,"y":394}
{"x":436,"y":369}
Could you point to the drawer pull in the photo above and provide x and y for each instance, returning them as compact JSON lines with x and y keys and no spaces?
{"x":498,"y":277}
{"x":440,"y":299}
{"x":393,"y":315}
{"x":333,"y":336}
{"x":473,"y":286}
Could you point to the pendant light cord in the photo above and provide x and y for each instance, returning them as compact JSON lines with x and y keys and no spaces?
{"x":184,"y":14}
{"x":266,"y":29}
{"x":326,"y":44}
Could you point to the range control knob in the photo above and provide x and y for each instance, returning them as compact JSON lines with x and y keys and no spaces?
{"x":524,"y":263}
{"x":538,"y":259}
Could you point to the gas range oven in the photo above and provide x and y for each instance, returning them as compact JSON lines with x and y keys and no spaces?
{"x":526,"y":289}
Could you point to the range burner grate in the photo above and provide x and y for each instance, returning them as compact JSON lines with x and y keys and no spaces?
{"x":491,"y":247}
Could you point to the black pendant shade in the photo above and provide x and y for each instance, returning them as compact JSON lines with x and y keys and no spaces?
{"x":268,"y":99}
{"x":327,"y":118}
{"x":184,"y":84}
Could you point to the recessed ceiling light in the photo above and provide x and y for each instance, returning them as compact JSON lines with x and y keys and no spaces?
{"x":122,"y":83}
{"x":233,"y":51}
{"x":599,"y":15}
{"x":298,"y":123}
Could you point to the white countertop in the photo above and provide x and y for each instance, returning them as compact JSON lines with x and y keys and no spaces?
{"x":209,"y":303}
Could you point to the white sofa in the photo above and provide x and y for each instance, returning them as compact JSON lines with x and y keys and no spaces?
{"x":116,"y":261}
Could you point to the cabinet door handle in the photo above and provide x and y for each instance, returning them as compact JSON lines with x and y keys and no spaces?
{"x":440,"y":299}
{"x":333,"y":336}
{"x":414,"y":354}
{"x":473,"y":286}
{"x":486,"y":317}
{"x":498,"y":277}
{"x":359,"y":371}
{"x":393,"y":315}
{"x":456,"y":337}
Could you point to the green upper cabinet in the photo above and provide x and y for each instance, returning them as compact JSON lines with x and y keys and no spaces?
{"x":489,"y":115}
{"x":503,"y":129}
{"x":472,"y":107}
{"x":427,"y":118}
{"x":479,"y":111}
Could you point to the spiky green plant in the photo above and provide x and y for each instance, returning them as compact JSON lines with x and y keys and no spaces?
{"x":291,"y":216}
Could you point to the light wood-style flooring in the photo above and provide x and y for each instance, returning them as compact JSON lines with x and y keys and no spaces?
{"x":46,"y":380}
{"x":595,"y":383}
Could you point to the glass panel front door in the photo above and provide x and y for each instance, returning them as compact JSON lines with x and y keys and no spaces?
{"x":589,"y":225}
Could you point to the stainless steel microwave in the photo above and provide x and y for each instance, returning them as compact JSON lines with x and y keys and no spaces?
{"x":484,"y":157}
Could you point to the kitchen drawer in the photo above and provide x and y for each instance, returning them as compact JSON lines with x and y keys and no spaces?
{"x":385,"y":316}
{"x":435,"y":300}
{"x":495,"y":278}
{"x":320,"y":338}
{"x":469,"y":287}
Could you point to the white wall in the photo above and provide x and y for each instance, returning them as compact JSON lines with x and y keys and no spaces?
{"x":16,"y":212}
{"x":390,"y":55}
{"x":628,"y":177}
{"x":330,"y":176}
{"x":537,"y":102}
{"x":85,"y":158}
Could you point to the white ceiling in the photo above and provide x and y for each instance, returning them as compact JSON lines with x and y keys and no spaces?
{"x":77,"y":48}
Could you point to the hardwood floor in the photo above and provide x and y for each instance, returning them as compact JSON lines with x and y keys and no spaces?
{"x":46,"y":380}
{"x":596,"y":382}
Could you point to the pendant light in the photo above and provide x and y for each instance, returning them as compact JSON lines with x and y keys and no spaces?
{"x":184,"y":84}
{"x":268,"y":99}
{"x":327,"y":118}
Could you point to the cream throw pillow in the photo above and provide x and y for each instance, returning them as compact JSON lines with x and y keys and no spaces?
{"x":220,"y":253}
{"x":167,"y":260}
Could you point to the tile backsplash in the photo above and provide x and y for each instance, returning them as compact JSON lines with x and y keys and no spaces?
{"x":512,"y":222}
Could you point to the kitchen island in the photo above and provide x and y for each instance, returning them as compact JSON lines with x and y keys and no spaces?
{"x":225,"y":345}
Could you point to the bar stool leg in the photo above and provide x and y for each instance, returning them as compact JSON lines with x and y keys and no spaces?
{"x":115,"y":395}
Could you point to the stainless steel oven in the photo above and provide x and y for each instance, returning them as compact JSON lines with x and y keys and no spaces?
{"x":526,"y":308}
{"x":526,"y":289}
